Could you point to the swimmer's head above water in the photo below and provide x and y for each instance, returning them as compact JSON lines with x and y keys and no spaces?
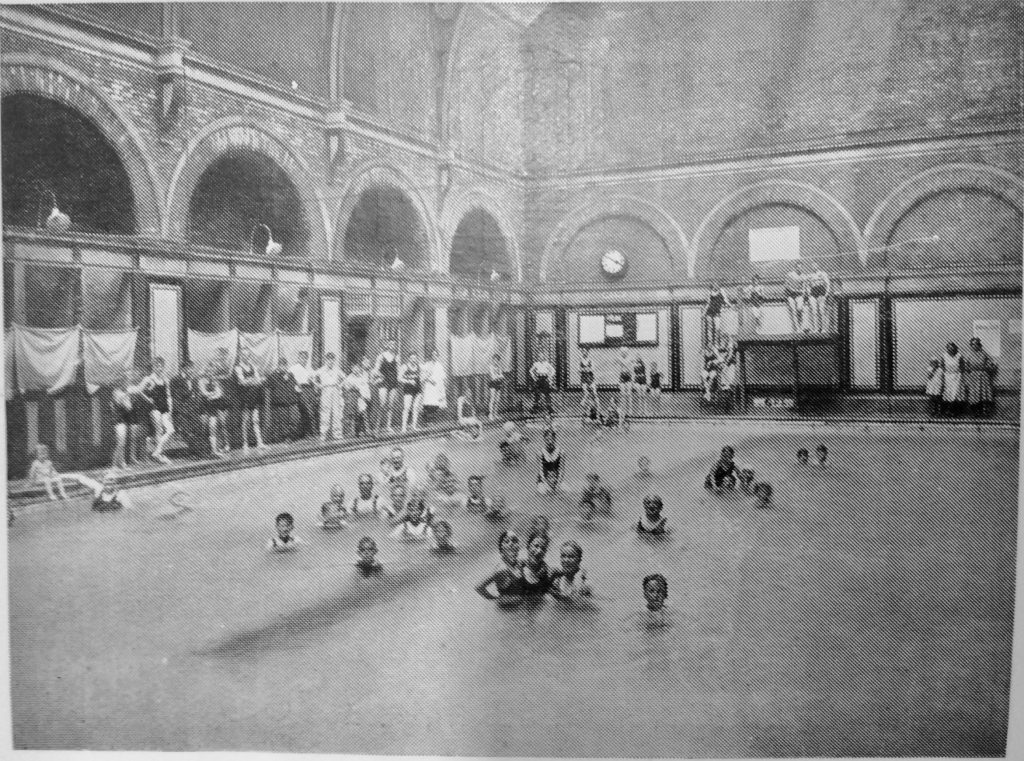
{"x":508,"y":547}
{"x":655,"y":591}
{"x":284,"y":523}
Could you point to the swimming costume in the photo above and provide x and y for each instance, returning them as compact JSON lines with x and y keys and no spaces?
{"x":624,"y":376}
{"x":715,"y":303}
{"x":643,"y":526}
{"x":541,"y":580}
{"x":640,"y":373}
{"x":586,"y":371}
{"x":158,"y":393}
{"x":250,"y":397}
{"x":722,"y":470}
{"x":411,"y":380}
{"x":389,"y":372}
{"x":551,"y":462}
{"x":754,"y":296}
{"x":655,"y":380}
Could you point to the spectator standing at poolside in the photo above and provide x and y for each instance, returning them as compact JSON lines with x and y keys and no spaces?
{"x":303,"y":374}
{"x":284,"y":403}
{"x":979,"y":370}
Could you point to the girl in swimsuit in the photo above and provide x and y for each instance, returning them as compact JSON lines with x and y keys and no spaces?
{"x":333,"y":512}
{"x":497,"y":380}
{"x":507,"y":580}
{"x":550,"y":466}
{"x":367,"y":565}
{"x":414,"y":522}
{"x":625,"y":381}
{"x":713,"y":310}
{"x":441,"y":538}
{"x":588,"y":386}
{"x":284,"y":541}
{"x":412,"y":392}
{"x":654,"y":386}
{"x":536,"y":577}
{"x":570,"y":581}
{"x":156,"y":385}
{"x":753,"y":294}
{"x":250,"y":396}
{"x":795,"y":287}
{"x":652,"y":521}
{"x":819,"y":289}
{"x":475,"y":502}
{"x":470,"y":426}
{"x":639,"y":376}
{"x":724,"y":474}
{"x":215,"y":407}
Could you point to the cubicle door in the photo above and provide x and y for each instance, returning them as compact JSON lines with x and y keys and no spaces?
{"x":166,"y":324}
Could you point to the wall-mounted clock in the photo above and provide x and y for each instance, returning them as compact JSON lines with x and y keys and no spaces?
{"x":614,"y":264}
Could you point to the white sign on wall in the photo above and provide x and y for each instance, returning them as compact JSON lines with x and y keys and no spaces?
{"x":769,"y":244}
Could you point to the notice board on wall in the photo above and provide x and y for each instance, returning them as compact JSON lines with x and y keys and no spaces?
{"x":618,"y":329}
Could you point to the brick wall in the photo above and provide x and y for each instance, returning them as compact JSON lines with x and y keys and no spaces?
{"x":662,"y":83}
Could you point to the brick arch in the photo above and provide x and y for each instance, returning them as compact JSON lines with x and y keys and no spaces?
{"x":908,"y":195}
{"x":376,"y":172}
{"x":218,"y":138}
{"x":775,"y":192}
{"x":48,"y":78}
{"x":463,"y":200}
{"x":679,"y":250}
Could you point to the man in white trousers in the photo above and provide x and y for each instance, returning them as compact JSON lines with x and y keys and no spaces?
{"x":328,"y":380}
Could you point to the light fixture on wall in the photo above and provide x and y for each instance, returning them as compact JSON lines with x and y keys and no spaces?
{"x":58,"y":221}
{"x":397,"y":265}
{"x":495,"y":276}
{"x":273,"y":248}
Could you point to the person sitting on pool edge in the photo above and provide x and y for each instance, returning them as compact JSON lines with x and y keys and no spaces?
{"x":652,"y":521}
{"x":441,"y":538}
{"x":548,"y":482}
{"x":367,"y":564}
{"x":570,"y":581}
{"x":507,"y":580}
{"x":333,"y":512}
{"x":284,"y":541}
{"x":724,"y":473}
{"x":598,"y":494}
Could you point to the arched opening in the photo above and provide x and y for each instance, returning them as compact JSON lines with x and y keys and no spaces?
{"x":385,"y":224}
{"x":478,"y":247}
{"x":242,"y":189}
{"x":641,"y":245}
{"x":51,"y":148}
{"x":954,"y":227}
{"x":730,"y":256}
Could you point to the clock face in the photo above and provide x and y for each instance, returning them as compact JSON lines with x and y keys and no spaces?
{"x":613,"y":263}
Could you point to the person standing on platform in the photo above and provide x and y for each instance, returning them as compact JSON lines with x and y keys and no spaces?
{"x":795,"y":286}
{"x":753,"y":295}
{"x":332,"y":404}
{"x":157,"y":388}
{"x":435,"y":385}
{"x":385,"y":372}
{"x":307,"y":396}
{"x":284,"y":404}
{"x":542,"y":372}
{"x":819,"y":290}
{"x":717,"y":300}
{"x":187,"y":406}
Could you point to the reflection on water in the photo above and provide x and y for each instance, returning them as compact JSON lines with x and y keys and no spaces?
{"x":194,"y":637}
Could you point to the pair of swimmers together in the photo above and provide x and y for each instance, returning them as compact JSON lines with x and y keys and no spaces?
{"x":529,"y":576}
{"x":726,"y":474}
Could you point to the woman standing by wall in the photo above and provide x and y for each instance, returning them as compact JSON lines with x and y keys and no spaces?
{"x":979,"y":369}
